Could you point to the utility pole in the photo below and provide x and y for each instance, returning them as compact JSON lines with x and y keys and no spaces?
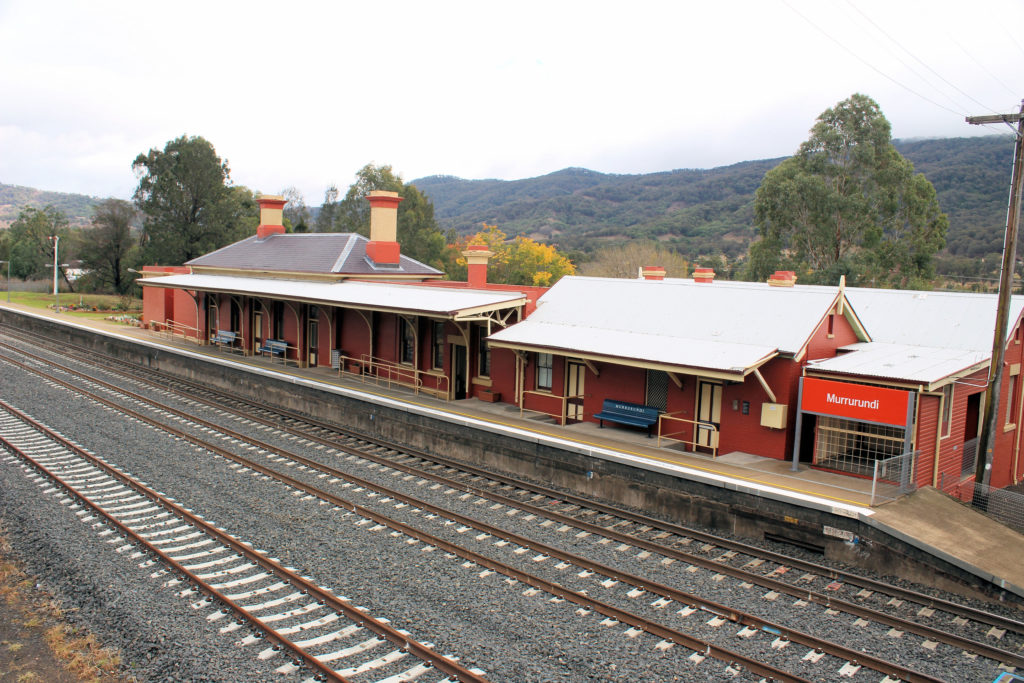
{"x":983,"y":468}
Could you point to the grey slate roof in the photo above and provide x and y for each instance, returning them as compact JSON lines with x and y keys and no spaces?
{"x":320,"y":253}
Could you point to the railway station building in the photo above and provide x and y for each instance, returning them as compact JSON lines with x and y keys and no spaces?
{"x":841,"y":378}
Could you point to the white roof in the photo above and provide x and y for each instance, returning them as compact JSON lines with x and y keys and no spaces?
{"x":957,"y":320}
{"x":380,"y":296}
{"x":924,"y":364}
{"x":726,"y":326}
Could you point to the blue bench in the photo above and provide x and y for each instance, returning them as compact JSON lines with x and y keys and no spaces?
{"x":632,"y":414}
{"x":275,"y":348}
{"x":225,"y":338}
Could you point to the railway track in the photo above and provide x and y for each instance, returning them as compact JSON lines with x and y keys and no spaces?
{"x":224,"y":576}
{"x":692,"y":602}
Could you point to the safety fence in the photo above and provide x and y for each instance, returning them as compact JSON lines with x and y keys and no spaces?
{"x":893,"y":477}
{"x":1003,"y":505}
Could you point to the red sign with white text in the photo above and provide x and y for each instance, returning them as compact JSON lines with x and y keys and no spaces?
{"x":855,"y":401}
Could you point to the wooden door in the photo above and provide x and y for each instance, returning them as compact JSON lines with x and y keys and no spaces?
{"x":709,"y":413}
{"x":575,"y":377}
{"x":312,"y":341}
{"x":459,"y":374}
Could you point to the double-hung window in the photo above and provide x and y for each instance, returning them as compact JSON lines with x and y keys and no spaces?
{"x":545,"y":366}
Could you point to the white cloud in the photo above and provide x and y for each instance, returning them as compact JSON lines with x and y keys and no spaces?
{"x":306,"y":94}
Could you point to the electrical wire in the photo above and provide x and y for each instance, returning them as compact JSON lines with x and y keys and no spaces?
{"x":983,"y":67}
{"x":867,"y":63}
{"x":917,"y":59}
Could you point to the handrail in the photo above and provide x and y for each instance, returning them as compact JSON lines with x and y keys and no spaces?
{"x":561,"y":400}
{"x":392,"y":373}
{"x":706,"y":426}
{"x":176,"y":329}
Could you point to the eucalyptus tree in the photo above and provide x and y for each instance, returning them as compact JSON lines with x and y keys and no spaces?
{"x":848,"y":204}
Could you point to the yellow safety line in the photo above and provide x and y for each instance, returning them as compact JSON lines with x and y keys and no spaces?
{"x":646,"y":456}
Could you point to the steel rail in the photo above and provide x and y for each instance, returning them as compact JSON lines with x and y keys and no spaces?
{"x":665,"y":633}
{"x":828,"y":601}
{"x":127,"y":533}
{"x":381,"y":628}
{"x":951,"y":607}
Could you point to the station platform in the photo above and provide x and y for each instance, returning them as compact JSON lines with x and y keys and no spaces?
{"x":925,"y":519}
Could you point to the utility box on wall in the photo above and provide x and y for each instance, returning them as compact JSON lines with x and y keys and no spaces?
{"x":773,"y":415}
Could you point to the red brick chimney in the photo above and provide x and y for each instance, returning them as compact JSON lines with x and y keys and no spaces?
{"x":704,"y":275}
{"x":271,"y":215}
{"x":652,"y":272}
{"x":782,"y":278}
{"x":476,"y":264}
{"x":383,"y":248}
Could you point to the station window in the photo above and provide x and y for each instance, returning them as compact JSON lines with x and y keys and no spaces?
{"x":545,"y":367}
{"x":437,"y":350}
{"x":947,"y":408}
{"x":1012,"y":398}
{"x":406,"y":343}
{"x":483,"y":354}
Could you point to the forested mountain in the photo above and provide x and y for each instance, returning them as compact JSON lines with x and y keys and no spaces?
{"x":707,"y":212}
{"x":13,"y":198}
{"x":698,"y":212}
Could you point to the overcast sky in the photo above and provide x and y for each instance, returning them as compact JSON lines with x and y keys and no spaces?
{"x":306,"y":93}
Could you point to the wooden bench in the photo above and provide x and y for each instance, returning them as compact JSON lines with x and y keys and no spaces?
{"x":226,"y":338}
{"x":625,"y":413}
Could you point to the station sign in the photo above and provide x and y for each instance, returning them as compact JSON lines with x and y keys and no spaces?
{"x":861,"y":402}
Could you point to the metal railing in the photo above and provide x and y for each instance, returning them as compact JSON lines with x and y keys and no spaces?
{"x":893,"y":477}
{"x":968,"y":455}
{"x":389,"y":373}
{"x":709,"y":431}
{"x":171,"y":328}
{"x":560,"y":415}
{"x":1002,"y":505}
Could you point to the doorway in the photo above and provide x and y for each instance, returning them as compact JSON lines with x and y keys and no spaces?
{"x":257,"y":329}
{"x":575,"y":378}
{"x":459,"y":371}
{"x":312,"y":338}
{"x":709,"y":413}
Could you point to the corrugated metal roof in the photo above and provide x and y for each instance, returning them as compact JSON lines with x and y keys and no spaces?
{"x":337,"y":252}
{"x":904,"y":362}
{"x":957,"y":320}
{"x":369,"y":295}
{"x":722,"y":325}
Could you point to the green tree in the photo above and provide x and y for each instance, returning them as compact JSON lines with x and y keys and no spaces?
{"x":520,"y":261}
{"x":625,"y":261}
{"x":187,"y":201}
{"x":31,"y":251}
{"x":295,"y":211}
{"x":418,"y":232}
{"x":108,"y":247}
{"x":848,"y":204}
{"x":328,"y":210}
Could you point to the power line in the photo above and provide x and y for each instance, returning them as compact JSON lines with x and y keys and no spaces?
{"x":916,"y":58}
{"x":869,"y":64}
{"x":983,"y":67}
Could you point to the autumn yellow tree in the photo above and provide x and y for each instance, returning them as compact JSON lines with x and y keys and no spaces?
{"x":520,"y":261}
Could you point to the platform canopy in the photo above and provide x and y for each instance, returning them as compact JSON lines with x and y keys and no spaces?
{"x":928,"y":366}
{"x":718,"y":329}
{"x":440,"y":302}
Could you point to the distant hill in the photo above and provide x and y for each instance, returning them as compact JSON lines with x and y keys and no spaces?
{"x":704,"y":212}
{"x":13,"y":198}
{"x":700,"y":212}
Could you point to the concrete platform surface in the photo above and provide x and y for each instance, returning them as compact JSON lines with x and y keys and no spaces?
{"x":955,"y":532}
